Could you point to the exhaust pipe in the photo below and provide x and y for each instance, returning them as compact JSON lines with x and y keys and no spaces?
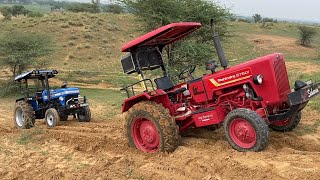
{"x":218,"y":46}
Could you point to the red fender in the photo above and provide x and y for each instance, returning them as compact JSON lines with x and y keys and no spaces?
{"x":158,"y":96}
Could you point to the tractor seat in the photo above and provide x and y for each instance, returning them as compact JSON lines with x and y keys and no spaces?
{"x":167,"y":85}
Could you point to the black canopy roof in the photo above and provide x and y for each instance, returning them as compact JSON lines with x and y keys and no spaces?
{"x":36,"y":74}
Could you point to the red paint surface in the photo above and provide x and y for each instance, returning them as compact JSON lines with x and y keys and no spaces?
{"x":163,"y":35}
{"x":145,"y":135}
{"x":242,"y":133}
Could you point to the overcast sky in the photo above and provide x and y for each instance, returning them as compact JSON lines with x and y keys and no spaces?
{"x":289,"y":9}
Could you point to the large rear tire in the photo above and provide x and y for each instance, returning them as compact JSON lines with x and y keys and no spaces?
{"x":150,"y":128}
{"x":287,"y":125}
{"x":246,"y":130}
{"x":52,"y":118}
{"x":84,"y":114}
{"x":24,"y":116}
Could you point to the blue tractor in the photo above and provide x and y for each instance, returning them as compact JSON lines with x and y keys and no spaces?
{"x":41,"y":102}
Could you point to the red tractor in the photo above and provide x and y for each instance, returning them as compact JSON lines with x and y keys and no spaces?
{"x":247,"y":99}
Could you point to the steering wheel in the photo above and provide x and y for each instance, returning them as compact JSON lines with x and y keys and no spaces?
{"x":187,"y":72}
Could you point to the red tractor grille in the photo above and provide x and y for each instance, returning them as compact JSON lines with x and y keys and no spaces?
{"x":281,"y":76}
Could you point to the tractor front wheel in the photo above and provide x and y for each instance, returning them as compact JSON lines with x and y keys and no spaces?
{"x":150,"y":128}
{"x":286,"y":125}
{"x":52,"y":118}
{"x":24,"y":116}
{"x":246,"y":130}
{"x":84,"y":114}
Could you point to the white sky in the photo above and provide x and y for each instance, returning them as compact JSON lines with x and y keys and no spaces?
{"x":289,"y":9}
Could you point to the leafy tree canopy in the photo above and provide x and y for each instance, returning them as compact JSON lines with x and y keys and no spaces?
{"x":193,"y":50}
{"x":21,"y":50}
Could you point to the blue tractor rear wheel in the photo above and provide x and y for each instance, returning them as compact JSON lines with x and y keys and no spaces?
{"x":24,"y":116}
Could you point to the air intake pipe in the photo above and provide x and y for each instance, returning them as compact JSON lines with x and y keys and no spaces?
{"x":218,"y":46}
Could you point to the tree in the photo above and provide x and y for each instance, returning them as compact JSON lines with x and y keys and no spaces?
{"x":257,"y":18}
{"x":192,"y":50}
{"x":21,"y":50}
{"x":306,"y":35}
{"x":96,"y":4}
{"x":18,"y":9}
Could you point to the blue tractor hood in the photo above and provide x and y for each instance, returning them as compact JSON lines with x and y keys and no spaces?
{"x":57,"y":93}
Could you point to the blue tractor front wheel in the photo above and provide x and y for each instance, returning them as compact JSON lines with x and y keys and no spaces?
{"x":84,"y":114}
{"x":52,"y":118}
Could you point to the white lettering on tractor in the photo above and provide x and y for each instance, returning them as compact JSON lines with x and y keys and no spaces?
{"x":234,"y":76}
{"x":205,"y":117}
{"x":312,"y":92}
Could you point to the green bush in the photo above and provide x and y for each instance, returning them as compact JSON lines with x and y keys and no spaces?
{"x":35,"y":14}
{"x":82,"y":7}
{"x":8,"y":87}
{"x":6,"y":12}
{"x":113,"y":8}
{"x":306,"y":35}
{"x":18,"y":10}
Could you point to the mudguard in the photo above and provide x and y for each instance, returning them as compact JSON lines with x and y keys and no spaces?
{"x":158,"y":96}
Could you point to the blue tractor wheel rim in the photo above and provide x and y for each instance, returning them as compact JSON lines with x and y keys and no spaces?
{"x":19,"y":117}
{"x":50,"y":119}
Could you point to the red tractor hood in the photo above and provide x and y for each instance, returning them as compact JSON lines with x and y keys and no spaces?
{"x":163,"y":35}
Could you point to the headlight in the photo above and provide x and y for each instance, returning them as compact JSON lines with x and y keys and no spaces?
{"x":258,"y":79}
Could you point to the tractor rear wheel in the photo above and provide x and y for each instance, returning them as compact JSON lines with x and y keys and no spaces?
{"x":286,"y":125}
{"x":246,"y":130}
{"x":52,"y":118}
{"x":84,"y":114}
{"x":150,"y":128}
{"x":24,"y":116}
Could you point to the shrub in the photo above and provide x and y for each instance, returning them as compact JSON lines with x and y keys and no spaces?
{"x":73,"y":23}
{"x":113,"y":8}
{"x":306,"y":35}
{"x":64,"y":26}
{"x":71,"y":43}
{"x":6,"y":12}
{"x":267,"y":19}
{"x":244,"y":20}
{"x":18,"y":9}
{"x":35,"y":14}
{"x":82,"y":7}
{"x":8,"y":87}
{"x":257,"y":18}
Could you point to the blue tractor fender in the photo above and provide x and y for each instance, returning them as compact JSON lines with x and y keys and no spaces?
{"x":33,"y":103}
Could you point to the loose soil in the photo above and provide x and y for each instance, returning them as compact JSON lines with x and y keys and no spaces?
{"x":98,"y":150}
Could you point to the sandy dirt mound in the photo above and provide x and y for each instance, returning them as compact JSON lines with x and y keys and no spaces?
{"x":98,"y":150}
